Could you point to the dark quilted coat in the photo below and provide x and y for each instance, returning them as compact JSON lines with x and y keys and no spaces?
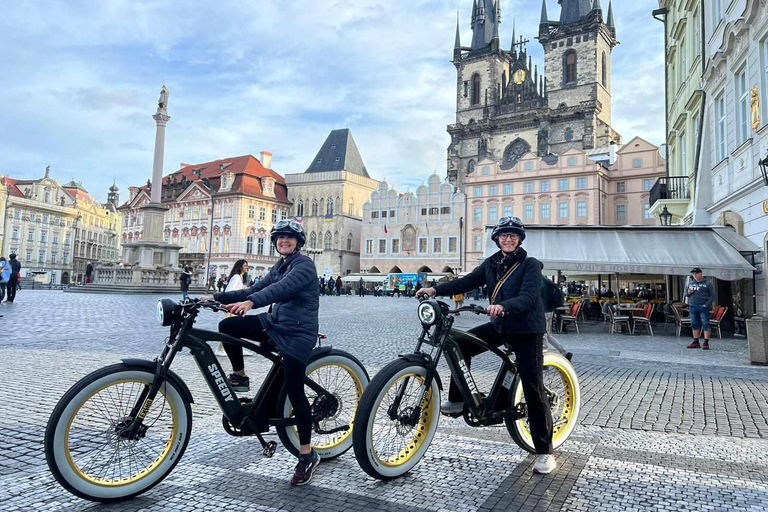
{"x":292,"y":289}
{"x":520,"y":294}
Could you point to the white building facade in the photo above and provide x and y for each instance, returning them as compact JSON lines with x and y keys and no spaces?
{"x":730,"y":188}
{"x":410,"y":233}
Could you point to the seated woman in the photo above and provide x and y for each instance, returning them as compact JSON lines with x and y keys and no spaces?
{"x":291,"y":287}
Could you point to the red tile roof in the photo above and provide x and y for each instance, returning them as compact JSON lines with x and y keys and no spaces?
{"x":13,"y":188}
{"x":78,"y":193}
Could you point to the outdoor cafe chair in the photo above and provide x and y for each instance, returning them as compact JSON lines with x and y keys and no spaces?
{"x":644,"y":319}
{"x":571,"y":317}
{"x":680,"y":322}
{"x":617,"y":320}
{"x":715,"y":322}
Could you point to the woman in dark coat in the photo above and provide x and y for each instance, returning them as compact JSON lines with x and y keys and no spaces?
{"x":513,"y":281}
{"x":185,"y":278}
{"x":291,"y":287}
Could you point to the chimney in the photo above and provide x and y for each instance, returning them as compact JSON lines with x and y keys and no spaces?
{"x":266,"y":159}
{"x":183,"y":164}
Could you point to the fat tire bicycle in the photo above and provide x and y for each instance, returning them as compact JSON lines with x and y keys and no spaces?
{"x":121,"y":430}
{"x":400,"y":409}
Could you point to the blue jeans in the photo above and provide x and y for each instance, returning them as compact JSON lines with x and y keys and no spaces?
{"x":700,"y":318}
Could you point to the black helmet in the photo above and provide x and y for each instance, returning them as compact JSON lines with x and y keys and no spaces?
{"x":508,"y":225}
{"x":288,"y":228}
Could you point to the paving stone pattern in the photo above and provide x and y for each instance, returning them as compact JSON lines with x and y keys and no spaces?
{"x":661,"y":428}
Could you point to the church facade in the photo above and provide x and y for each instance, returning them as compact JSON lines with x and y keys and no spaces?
{"x":506,"y":109}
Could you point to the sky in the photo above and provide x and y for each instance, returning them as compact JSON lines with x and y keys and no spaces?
{"x":81,"y":79}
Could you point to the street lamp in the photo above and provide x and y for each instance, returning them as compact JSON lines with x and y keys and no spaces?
{"x":665,"y":217}
{"x":314,"y":252}
{"x":208,"y":283}
{"x":764,"y":169}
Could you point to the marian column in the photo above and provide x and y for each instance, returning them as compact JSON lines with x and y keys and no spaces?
{"x":161,"y":120}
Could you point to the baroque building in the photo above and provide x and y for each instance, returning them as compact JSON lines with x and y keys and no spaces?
{"x":328,"y":198}
{"x":570,"y":190}
{"x":505,"y":108}
{"x":219,"y":211}
{"x":413,"y":233}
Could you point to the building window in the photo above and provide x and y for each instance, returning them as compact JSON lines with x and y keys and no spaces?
{"x":621,"y":186}
{"x":478,"y":243}
{"x":41,"y":257}
{"x":249,"y":244}
{"x":604,"y":71}
{"x":647,"y":184}
{"x":262,"y":213}
{"x":528,"y":166}
{"x":562,"y":184}
{"x":349,"y":242}
{"x":314,"y":207}
{"x":571,"y":161}
{"x":507,"y":189}
{"x":493,"y":190}
{"x":329,"y":207}
{"x":31,"y":235}
{"x":260,"y":246}
{"x":478,"y":191}
{"x":368,"y":246}
{"x":562,"y":210}
{"x":453,"y":244}
{"x":300,"y":208}
{"x":395,"y":246}
{"x":569,"y":67}
{"x":437,"y":245}
{"x":621,"y":213}
{"x":528,"y":211}
{"x":328,"y":241}
{"x":432,"y":211}
{"x":544,"y":211}
{"x":274,"y":215}
{"x":475,"y":89}
{"x":423,"y":211}
{"x":422,"y":245}
{"x":485,"y":170}
{"x":647,"y":212}
{"x":445,"y":210}
{"x":581,"y":183}
{"x":683,"y":155}
{"x":581,"y":209}
{"x":742,"y":93}
{"x":507,"y":210}
{"x":528,"y":187}
{"x":382,"y":245}
{"x":637,"y":163}
{"x":477,"y":214}
{"x":375,"y":215}
{"x":720,"y":145}
{"x":251,"y":211}
{"x":471,"y":167}
{"x":493,"y":213}
{"x":544,"y":186}
{"x":383,"y":214}
{"x":29,"y":254}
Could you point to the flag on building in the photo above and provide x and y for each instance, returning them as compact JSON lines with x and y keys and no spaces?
{"x":385,"y":229}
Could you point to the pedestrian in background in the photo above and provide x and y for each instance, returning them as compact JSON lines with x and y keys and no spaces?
{"x":236,"y":282}
{"x":322,"y":285}
{"x":5,"y":275}
{"x":701,"y":296}
{"x":361,"y":283}
{"x":185,"y":279}
{"x":88,"y":272}
{"x":338,"y":286}
{"x":13,"y":280}
{"x":331,"y":284}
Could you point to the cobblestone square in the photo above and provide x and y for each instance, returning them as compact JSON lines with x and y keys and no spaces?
{"x":661,"y":427}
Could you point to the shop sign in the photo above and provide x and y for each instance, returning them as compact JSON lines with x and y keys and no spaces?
{"x":765,"y":206}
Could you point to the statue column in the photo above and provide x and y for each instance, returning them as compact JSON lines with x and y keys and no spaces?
{"x":161,"y":119}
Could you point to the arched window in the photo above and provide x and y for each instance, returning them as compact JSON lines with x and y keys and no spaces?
{"x":568,"y":134}
{"x":328,"y":241}
{"x":605,"y":71}
{"x":349,"y":242}
{"x":314,"y":207}
{"x":300,"y":208}
{"x":475,"y":89}
{"x":338,"y":205}
{"x":329,"y":207}
{"x":569,"y":67}
{"x":313,"y":240}
{"x":351,"y":207}
{"x":471,"y":167}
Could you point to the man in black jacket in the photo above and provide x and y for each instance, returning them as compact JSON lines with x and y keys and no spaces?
{"x":292,"y":288}
{"x":513,"y":281}
{"x":13,"y":282}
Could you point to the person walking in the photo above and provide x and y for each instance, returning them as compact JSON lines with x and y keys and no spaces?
{"x":361,"y":289}
{"x":88,"y":272}
{"x":517,"y":320}
{"x":322,"y":285}
{"x":13,"y":280}
{"x":701,"y":296}
{"x":408,"y":288}
{"x":185,"y":279}
{"x":5,"y":275}
{"x":338,"y":285}
{"x":331,"y":284}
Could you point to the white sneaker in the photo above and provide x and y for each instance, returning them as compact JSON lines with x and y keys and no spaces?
{"x":545,"y":464}
{"x":452,"y":407}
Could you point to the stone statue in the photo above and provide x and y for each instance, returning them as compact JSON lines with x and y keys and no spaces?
{"x":754,"y":106}
{"x":62,"y":200}
{"x":48,"y":171}
{"x":149,"y":184}
{"x":543,"y":145}
{"x":162,"y":103}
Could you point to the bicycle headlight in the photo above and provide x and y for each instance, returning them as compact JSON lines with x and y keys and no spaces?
{"x":165,"y":311}
{"x":428,"y":313}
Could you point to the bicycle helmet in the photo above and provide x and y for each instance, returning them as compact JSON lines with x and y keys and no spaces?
{"x":288,"y":228}
{"x":508,"y":225}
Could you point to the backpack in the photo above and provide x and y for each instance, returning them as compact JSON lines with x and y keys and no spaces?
{"x":551,"y":296}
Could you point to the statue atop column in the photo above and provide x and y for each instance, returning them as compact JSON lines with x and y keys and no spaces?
{"x":162,"y":103}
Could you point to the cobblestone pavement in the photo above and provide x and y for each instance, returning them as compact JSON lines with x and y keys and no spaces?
{"x":661,"y":427}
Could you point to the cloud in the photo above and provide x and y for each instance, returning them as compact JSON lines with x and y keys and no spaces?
{"x":81,"y":80}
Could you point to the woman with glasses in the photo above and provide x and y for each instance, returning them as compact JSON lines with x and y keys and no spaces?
{"x":291,"y":288}
{"x":517,"y":319}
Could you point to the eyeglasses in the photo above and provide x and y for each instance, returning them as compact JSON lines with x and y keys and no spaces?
{"x":505,"y":221}
{"x":509,"y":236}
{"x":295,"y":226}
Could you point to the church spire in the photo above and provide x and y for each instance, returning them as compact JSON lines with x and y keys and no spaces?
{"x":544,"y":15}
{"x":610,"y":21}
{"x":514,"y":30}
{"x":596,"y":6}
{"x":457,"y":44}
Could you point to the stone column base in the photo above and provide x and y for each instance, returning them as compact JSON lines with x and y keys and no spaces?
{"x":757,"y":334}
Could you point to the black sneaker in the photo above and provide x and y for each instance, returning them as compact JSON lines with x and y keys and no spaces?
{"x":305,"y":468}
{"x":239,"y":383}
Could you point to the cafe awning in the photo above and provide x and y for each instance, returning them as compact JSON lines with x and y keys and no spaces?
{"x":669,"y":250}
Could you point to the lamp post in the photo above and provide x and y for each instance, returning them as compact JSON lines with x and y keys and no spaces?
{"x":314,"y":252}
{"x":208,"y":284}
{"x":764,"y":169}
{"x":665,"y":217}
{"x":75,"y":263}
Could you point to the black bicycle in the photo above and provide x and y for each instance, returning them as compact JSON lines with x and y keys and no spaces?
{"x":121,"y":430}
{"x":399,"y":412}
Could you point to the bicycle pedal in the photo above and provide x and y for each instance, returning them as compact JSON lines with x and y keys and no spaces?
{"x":569,"y":356}
{"x":269,"y":449}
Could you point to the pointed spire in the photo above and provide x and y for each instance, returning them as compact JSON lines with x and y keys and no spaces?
{"x":457,"y":45}
{"x":544,"y":15}
{"x":530,"y":63}
{"x":596,"y":6}
{"x":535,"y":75}
{"x":496,"y":19}
{"x":474,"y":14}
{"x":610,"y":21}
{"x":514,"y":29}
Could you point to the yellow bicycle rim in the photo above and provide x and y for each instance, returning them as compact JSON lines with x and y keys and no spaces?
{"x":561,"y":420}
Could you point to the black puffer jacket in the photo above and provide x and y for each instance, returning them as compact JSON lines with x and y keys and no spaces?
{"x":292,"y":288}
{"x":520,"y":294}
